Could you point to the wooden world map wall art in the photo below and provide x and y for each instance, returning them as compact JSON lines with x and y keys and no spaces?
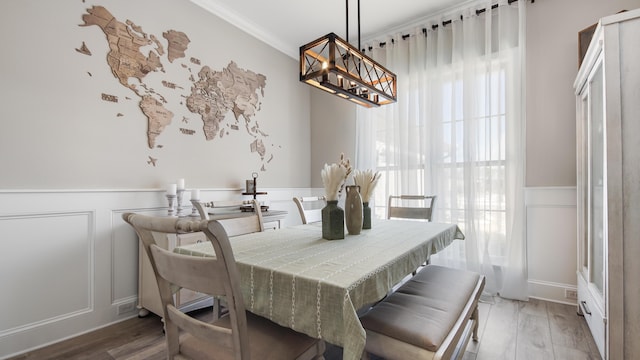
{"x":211,"y":94}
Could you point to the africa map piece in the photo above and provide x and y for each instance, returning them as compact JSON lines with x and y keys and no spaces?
{"x":212,"y":95}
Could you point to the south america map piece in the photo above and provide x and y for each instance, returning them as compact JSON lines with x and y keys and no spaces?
{"x":158,"y":118}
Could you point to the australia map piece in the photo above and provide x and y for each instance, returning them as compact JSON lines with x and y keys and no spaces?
{"x":134,"y":54}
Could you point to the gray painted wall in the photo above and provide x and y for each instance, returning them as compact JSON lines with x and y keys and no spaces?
{"x":333,"y":129}
{"x":552,"y":66}
{"x":57,"y":133}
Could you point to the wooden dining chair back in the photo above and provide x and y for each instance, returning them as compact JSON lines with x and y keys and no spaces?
{"x":222,"y":207}
{"x":411,"y":206}
{"x":243,"y":225}
{"x":238,"y":335}
{"x":310,"y":208}
{"x":234,"y":225}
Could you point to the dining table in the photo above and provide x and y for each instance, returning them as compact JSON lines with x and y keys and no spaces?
{"x":297,"y":279}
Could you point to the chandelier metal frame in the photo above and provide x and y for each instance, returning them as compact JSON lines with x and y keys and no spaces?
{"x":331,"y":64}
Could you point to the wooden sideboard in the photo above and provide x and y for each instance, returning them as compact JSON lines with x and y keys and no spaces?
{"x":148,"y":294}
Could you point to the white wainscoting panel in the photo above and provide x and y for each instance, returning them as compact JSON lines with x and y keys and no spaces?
{"x":551,"y":242}
{"x":47,"y":262}
{"x":69,"y":261}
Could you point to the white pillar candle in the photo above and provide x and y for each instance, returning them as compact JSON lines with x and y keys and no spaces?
{"x":195,"y":194}
{"x":180,"y":184}
{"x":171,"y":189}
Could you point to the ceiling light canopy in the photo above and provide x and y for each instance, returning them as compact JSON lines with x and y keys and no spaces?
{"x":333,"y":65}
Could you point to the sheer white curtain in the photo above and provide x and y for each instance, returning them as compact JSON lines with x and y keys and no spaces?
{"x":457,"y":131}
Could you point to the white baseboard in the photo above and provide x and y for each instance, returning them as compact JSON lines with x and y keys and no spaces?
{"x":553,"y":292}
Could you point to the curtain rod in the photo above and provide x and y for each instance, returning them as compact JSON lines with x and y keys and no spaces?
{"x":445,"y":23}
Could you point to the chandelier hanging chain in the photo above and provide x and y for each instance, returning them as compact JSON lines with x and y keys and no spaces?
{"x":347,"y":12}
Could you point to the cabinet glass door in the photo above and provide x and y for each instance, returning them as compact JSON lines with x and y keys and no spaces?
{"x":597,"y":190}
{"x":583,"y":191}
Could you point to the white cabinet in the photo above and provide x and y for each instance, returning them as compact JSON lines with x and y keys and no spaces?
{"x":608,"y":181}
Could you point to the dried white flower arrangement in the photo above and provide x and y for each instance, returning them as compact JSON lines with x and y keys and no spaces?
{"x":334,"y":177}
{"x":367,"y":181}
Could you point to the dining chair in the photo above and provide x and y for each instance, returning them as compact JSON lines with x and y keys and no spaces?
{"x":241,"y":225}
{"x":234,"y":226}
{"x":310,"y":208}
{"x":411,"y":206}
{"x":221,"y":206}
{"x":239,"y":335}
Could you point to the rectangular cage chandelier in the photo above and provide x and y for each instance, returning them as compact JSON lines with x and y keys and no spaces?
{"x":333,"y":65}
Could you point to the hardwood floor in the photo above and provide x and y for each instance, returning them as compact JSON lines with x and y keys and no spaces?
{"x":509,"y":330}
{"x":531,"y":330}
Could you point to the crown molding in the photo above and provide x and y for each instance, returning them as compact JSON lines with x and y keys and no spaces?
{"x":247,"y":26}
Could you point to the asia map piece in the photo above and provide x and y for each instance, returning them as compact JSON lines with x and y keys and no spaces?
{"x":133,"y":55}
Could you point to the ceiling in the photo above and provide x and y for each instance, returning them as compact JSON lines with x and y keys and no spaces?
{"x":288,"y":24}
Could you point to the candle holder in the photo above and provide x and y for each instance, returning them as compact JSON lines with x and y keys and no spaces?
{"x":194,"y":210}
{"x":172,"y":201}
{"x":180,"y":192}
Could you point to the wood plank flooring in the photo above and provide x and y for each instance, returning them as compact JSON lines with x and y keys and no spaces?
{"x":509,"y":330}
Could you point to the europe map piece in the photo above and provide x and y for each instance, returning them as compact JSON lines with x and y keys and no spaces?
{"x":134,"y":56}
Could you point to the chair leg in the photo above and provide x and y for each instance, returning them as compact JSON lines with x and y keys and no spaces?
{"x":217,"y":311}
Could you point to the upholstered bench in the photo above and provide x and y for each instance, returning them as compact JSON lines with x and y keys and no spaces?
{"x":431,"y":316}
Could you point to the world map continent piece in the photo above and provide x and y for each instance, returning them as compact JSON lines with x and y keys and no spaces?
{"x":215,"y":93}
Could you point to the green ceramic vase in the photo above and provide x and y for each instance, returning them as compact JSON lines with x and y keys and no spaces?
{"x":332,"y":221}
{"x":366,"y":216}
